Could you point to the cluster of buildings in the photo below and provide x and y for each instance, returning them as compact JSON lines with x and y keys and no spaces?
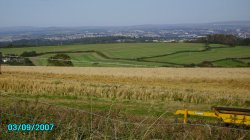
{"x":163,"y":32}
{"x":170,"y":34}
{"x":12,"y":59}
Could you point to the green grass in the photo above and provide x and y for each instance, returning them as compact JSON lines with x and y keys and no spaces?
{"x":162,"y":54}
{"x":229,"y":63}
{"x":134,"y":107}
{"x":41,"y":60}
{"x":147,"y":50}
{"x":73,"y":120}
{"x":121,"y":50}
{"x":93,"y":59}
{"x":245,"y":60}
{"x":210,"y":55}
{"x":217,"y":45}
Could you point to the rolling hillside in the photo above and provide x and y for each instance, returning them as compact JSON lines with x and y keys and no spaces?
{"x":143,"y":54}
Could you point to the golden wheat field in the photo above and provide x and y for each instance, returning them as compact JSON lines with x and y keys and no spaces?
{"x":206,"y":73}
{"x":144,"y":95}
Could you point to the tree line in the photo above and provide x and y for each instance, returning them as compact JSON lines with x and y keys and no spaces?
{"x":230,"y":40}
{"x":23,"y":60}
{"x":91,"y":40}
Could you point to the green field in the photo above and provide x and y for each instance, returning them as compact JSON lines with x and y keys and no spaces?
{"x":210,"y":55}
{"x":142,"y":54}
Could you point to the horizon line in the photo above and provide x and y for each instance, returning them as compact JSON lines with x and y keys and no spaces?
{"x":146,"y":24}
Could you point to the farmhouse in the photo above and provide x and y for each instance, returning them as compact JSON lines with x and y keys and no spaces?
{"x":6,"y":59}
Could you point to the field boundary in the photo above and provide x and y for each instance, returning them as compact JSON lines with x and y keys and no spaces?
{"x":144,"y":59}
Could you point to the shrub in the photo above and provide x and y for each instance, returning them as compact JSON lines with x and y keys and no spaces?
{"x":60,"y":60}
{"x":205,"y":64}
{"x":29,"y":54}
{"x":19,"y":61}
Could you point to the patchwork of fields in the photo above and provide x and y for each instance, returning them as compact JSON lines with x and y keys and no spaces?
{"x":143,"y":54}
{"x":122,"y":103}
{"x":109,"y":96}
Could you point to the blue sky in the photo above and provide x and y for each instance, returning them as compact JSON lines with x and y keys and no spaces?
{"x":44,"y":13}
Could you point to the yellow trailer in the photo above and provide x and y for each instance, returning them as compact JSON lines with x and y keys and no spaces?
{"x":238,"y":116}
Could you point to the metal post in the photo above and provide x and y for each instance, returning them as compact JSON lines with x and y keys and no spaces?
{"x":185,"y":116}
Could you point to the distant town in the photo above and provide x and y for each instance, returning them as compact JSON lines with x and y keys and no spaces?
{"x":159,"y":33}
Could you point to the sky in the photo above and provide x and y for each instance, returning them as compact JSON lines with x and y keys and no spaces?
{"x":47,"y":13}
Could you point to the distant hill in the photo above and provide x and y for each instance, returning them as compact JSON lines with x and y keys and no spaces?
{"x":114,"y":28}
{"x":233,"y":23}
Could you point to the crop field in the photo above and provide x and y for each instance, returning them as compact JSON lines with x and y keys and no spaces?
{"x":120,"y":103}
{"x":142,"y":54}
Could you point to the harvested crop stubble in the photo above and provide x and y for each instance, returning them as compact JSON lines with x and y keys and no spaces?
{"x":175,"y":73}
{"x":209,"y":86}
{"x":144,"y":99}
